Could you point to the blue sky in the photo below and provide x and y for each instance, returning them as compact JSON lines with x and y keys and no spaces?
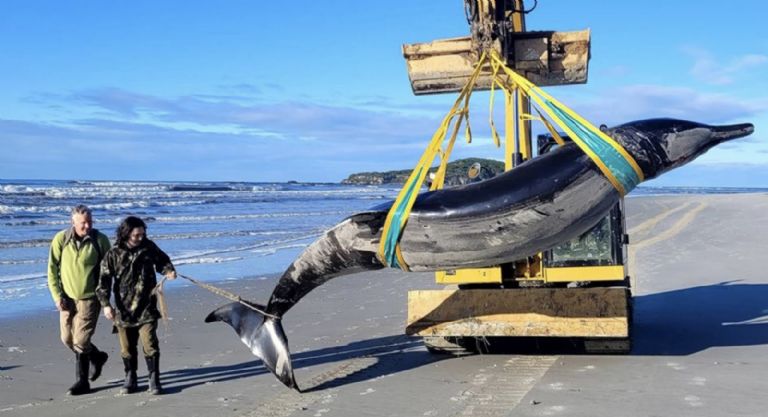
{"x":313,"y":91}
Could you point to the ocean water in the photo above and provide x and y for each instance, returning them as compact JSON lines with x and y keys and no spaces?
{"x":212,"y":231}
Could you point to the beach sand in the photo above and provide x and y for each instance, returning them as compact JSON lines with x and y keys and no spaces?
{"x":700,"y":332}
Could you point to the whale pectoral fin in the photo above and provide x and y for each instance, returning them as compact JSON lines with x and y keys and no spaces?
{"x":264,"y":336}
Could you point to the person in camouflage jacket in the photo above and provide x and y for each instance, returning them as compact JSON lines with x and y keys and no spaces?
{"x":129,"y":271}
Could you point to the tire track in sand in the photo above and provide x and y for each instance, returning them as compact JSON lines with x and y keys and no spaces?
{"x":653,"y":221}
{"x":497,"y":393}
{"x":676,"y":228}
{"x":322,"y":389}
{"x":289,"y":401}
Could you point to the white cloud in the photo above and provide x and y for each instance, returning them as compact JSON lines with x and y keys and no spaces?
{"x":223,"y":136}
{"x":635,"y":102}
{"x":709,"y":69}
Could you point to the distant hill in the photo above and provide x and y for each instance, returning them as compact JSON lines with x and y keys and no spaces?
{"x":455,"y":175}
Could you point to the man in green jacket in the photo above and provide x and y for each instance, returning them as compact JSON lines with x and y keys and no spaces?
{"x":73,"y":273}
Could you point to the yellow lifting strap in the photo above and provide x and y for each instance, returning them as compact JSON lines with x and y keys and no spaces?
{"x":618,"y":166}
{"x":552,"y":131}
{"x":611,"y":158}
{"x":389,"y":248}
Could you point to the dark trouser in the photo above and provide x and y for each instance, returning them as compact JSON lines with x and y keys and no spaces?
{"x":130,"y":336}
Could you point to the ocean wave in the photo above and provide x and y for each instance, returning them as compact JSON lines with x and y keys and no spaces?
{"x":39,"y":243}
{"x":176,"y":219}
{"x":248,"y":216}
{"x":274,"y":250}
{"x":14,"y":189}
{"x":200,"y":188}
{"x":206,"y":260}
{"x":228,"y":233}
{"x":246,"y":248}
{"x":63,"y":221}
{"x":133,"y":188}
{"x":24,"y":261}
{"x":22,"y":193}
{"x":265,"y":251}
{"x":22,"y":277}
{"x":116,"y":206}
{"x":209,"y":256}
{"x":113,"y":184}
{"x":8,"y":294}
{"x":32,"y":243}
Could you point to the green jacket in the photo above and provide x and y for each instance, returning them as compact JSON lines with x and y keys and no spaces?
{"x":73,"y":271}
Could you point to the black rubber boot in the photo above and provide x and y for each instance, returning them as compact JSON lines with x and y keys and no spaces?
{"x":153,"y":365}
{"x":98,"y":359}
{"x":81,"y":373}
{"x":129,"y":386}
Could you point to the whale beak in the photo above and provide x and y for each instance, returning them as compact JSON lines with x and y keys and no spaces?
{"x":263,"y":335}
{"x":729,"y":132}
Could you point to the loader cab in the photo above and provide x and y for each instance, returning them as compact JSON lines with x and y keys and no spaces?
{"x":596,"y":258}
{"x":578,"y":292}
{"x":599,"y":255}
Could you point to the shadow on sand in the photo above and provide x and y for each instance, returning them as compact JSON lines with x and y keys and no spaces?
{"x":679,"y":322}
{"x":686,"y":321}
{"x":389,"y":354}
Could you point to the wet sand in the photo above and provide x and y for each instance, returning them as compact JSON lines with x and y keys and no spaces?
{"x":700,"y":332}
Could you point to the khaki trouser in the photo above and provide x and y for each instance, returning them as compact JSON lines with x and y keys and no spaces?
{"x":129,"y":337}
{"x":78,"y":322}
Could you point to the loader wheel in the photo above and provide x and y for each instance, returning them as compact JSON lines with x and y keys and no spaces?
{"x":449,"y":345}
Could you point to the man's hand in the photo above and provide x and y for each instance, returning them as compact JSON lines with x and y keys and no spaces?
{"x":62,"y":304}
{"x":109,"y":313}
{"x":171,"y":275}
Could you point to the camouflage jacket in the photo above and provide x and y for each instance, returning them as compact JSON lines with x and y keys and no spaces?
{"x":130,"y":274}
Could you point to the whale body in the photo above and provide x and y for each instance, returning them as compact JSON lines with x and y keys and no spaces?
{"x":534,"y":207}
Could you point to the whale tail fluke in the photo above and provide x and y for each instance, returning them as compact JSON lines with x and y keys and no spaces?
{"x":263,"y":335}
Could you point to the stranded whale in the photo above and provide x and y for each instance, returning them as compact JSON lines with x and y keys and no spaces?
{"x":534,"y":207}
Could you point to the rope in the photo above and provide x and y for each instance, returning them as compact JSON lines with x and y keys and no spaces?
{"x":158,"y":291}
{"x":226,"y":294}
